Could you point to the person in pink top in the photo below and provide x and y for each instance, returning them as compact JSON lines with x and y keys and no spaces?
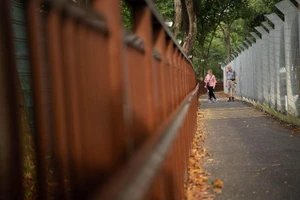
{"x":210,"y":83}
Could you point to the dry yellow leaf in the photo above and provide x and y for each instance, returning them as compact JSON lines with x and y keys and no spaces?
{"x":197,"y":155}
{"x":192,"y":161}
{"x":189,"y":195}
{"x":205,"y":187}
{"x":197,"y":171}
{"x":193,"y":171}
{"x":218,"y":190}
{"x":204,"y":179}
{"x":194,"y":151}
{"x":197,"y":184}
{"x":218,"y":183}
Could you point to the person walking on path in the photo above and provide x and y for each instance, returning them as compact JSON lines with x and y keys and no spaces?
{"x":210,"y":82}
{"x":231,"y":82}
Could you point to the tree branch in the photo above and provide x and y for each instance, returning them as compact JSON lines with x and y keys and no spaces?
{"x":192,"y":20}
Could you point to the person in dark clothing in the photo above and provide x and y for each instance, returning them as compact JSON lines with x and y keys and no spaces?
{"x":210,"y":81}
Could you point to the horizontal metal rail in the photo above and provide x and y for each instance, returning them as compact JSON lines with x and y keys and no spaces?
{"x":136,"y":178}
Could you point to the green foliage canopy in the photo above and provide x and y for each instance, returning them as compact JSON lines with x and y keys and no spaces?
{"x":217,"y":22}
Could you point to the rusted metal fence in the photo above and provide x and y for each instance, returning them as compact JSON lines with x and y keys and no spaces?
{"x":113,"y":120}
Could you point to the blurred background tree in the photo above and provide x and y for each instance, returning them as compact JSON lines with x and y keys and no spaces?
{"x":211,"y":30}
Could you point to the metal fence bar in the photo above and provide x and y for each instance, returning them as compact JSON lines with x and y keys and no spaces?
{"x":271,"y":68}
{"x":143,"y":29}
{"x":72,"y":108}
{"x":278,"y":59}
{"x":111,"y":10}
{"x":40,"y":97}
{"x":53,"y":27}
{"x":10,"y":132}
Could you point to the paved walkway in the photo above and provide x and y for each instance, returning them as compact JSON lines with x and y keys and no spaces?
{"x":255,"y":156}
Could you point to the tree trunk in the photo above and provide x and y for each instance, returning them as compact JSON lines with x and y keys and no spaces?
{"x":185,"y":21}
{"x":226,"y":32}
{"x":228,"y":43}
{"x":178,"y":17}
{"x":192,"y":19}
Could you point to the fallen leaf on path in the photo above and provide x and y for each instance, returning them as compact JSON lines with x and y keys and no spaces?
{"x":218,"y":183}
{"x":193,"y":151}
{"x":204,"y":179}
{"x":198,"y":185}
{"x":218,"y":190}
{"x":192,"y":161}
{"x":207,"y":154}
{"x":295,"y":131}
{"x":196,"y":171}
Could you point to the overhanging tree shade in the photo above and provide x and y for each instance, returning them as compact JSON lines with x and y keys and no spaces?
{"x":220,"y":25}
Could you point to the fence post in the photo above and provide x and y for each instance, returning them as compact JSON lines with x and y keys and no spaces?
{"x":142,"y":20}
{"x":111,"y":10}
{"x":40,"y":87}
{"x":10,"y":146}
{"x":291,"y":46}
{"x":271,"y":70}
{"x":265,"y":66}
{"x":278,"y":60}
{"x":160,"y":45}
{"x":170,"y":50}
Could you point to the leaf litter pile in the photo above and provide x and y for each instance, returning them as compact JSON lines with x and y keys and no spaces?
{"x":198,"y":186}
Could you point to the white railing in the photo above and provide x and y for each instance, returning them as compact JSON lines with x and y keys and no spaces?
{"x":268,"y":68}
